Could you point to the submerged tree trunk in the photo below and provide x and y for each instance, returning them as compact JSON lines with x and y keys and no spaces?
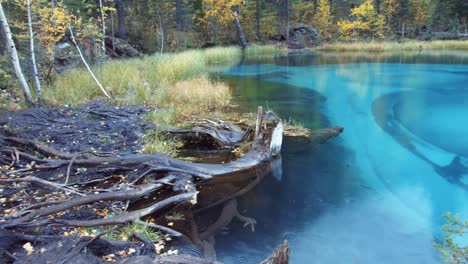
{"x":240,"y":32}
{"x":33,"y":54}
{"x":14,"y":57}
{"x":149,"y":183}
{"x":279,"y":256}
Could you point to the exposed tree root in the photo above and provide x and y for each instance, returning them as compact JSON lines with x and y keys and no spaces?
{"x":130,"y":216}
{"x":90,"y":198}
{"x":102,"y":171}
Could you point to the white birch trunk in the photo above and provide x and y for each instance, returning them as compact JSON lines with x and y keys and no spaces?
{"x":103,"y":42}
{"x":14,"y":56}
{"x":162,"y":33}
{"x":33,"y":54}
{"x":87,"y":66}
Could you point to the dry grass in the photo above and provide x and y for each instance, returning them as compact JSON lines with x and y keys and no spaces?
{"x":174,"y":83}
{"x":199,"y":95}
{"x":222,"y":55}
{"x":265,"y":50}
{"x":147,"y":81}
{"x":395,"y":46}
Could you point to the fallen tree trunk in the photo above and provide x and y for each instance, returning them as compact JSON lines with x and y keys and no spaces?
{"x":266,"y":144}
{"x":213,"y":133}
{"x":133,"y":186}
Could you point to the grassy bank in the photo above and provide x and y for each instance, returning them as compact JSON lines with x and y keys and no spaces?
{"x":395,"y":46}
{"x":175,"y":84}
{"x":157,"y":80}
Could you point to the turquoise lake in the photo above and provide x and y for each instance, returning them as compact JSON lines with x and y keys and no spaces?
{"x":378,"y":192}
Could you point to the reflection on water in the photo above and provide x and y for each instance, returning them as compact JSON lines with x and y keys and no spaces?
{"x":378,"y":192}
{"x":307,"y":59}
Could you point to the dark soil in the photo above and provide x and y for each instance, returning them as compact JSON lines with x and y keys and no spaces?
{"x":93,"y":127}
{"x":91,"y":130}
{"x":66,"y":168}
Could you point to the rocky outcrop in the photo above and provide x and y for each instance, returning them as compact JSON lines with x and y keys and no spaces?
{"x":302,"y":36}
{"x":65,"y":57}
{"x":121,"y":49}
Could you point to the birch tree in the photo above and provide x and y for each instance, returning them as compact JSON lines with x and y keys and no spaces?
{"x":33,"y":54}
{"x":103,"y":27}
{"x":226,"y":12}
{"x":14,"y":57}
{"x":86,"y":64}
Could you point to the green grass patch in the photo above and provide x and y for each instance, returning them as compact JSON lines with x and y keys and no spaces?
{"x":161,"y":117}
{"x":265,"y":50}
{"x":160,"y":142}
{"x":148,"y":80}
{"x":120,"y":232}
{"x":174,"y":83}
{"x":395,"y":46}
{"x":222,"y":55}
{"x":176,"y":216}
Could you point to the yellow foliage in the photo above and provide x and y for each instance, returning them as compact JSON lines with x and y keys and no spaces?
{"x":366,"y":10}
{"x":389,"y":8}
{"x":303,"y":11}
{"x":367,"y":22}
{"x":421,"y":10}
{"x":222,"y":10}
{"x":350,"y":29}
{"x":54,"y":23}
{"x":324,"y":19}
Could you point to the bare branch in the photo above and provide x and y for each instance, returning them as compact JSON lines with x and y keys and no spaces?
{"x":131,"y":216}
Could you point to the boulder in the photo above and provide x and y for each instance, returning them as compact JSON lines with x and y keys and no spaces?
{"x":302,"y":36}
{"x":65,"y":56}
{"x":123,"y":49}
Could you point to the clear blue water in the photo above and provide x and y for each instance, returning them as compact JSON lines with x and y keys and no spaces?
{"x":376,"y":194}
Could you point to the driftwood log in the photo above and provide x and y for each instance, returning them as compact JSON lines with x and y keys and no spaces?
{"x":48,"y":184}
{"x":279,"y":256}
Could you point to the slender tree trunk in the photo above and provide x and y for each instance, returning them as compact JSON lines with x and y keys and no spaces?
{"x":87,"y":66}
{"x":2,"y":43}
{"x":112,"y":31}
{"x":179,"y":16}
{"x":389,"y":20}
{"x":403,"y":30}
{"x":119,"y":5}
{"x":54,"y":3}
{"x":14,"y":57}
{"x":240,"y":32}
{"x":257,"y":18}
{"x":287,"y":22}
{"x":33,"y":54}
{"x":214,"y":25}
{"x":103,"y":25}
{"x":161,"y":29}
